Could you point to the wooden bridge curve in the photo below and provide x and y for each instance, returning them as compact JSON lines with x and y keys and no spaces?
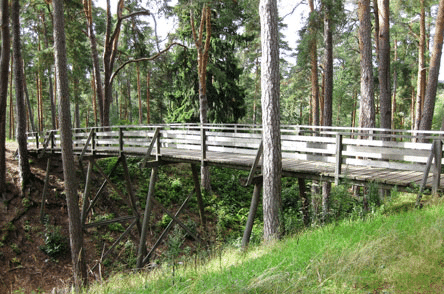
{"x":331,"y":154}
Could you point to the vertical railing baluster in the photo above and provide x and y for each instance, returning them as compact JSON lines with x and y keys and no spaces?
{"x":437,"y":150}
{"x":203,"y":144}
{"x":338,"y":166}
{"x":120,"y":141}
{"x":93,"y":142}
{"x":158,"y":142}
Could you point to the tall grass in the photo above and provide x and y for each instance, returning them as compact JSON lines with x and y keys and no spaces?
{"x":384,"y":253}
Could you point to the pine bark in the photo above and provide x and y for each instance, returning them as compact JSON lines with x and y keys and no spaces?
{"x":328,"y":94}
{"x":75,"y":227}
{"x":314,"y":67}
{"x":384,"y":64}
{"x":4,"y":75}
{"x":272,"y":161}
{"x":432,"y":82}
{"x":25,"y":169}
{"x":421,"y":78}
{"x":367,"y":106}
{"x":98,"y":90}
{"x":148,"y":97}
{"x":203,"y":49}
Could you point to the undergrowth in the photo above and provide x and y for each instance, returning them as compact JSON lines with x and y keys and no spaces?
{"x":387,"y":251}
{"x":366,"y":243}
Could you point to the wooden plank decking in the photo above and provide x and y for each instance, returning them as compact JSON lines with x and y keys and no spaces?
{"x":307,"y":152}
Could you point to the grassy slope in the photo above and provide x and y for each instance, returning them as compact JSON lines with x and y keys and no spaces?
{"x":387,"y":253}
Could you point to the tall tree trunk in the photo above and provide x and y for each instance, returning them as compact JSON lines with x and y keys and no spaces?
{"x":422,"y":74}
{"x":384,"y":64}
{"x":50,"y":87}
{"x":139,"y":95}
{"x":367,"y":107}
{"x":39,"y":113}
{"x":11,"y":102}
{"x":28,"y":101}
{"x":432,"y":82}
{"x":4,"y":75}
{"x":25,"y":169}
{"x":203,"y":49}
{"x":87,"y":7}
{"x":328,"y":93}
{"x":76,"y":103}
{"x":314,"y":67}
{"x":110,"y":52}
{"x":94,"y":98}
{"x":272,"y":157}
{"x":128,"y":96}
{"x":395,"y":85}
{"x":148,"y":97}
{"x":256,"y":91}
{"x":75,"y":226}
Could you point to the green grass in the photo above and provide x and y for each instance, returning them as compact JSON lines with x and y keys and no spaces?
{"x":395,"y":250}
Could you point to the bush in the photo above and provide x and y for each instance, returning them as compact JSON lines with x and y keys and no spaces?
{"x":56,"y":244}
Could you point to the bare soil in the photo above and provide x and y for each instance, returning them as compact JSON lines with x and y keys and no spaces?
{"x":24,"y":268}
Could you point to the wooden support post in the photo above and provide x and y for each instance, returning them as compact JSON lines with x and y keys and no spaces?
{"x":102,"y":186}
{"x":437,"y":153}
{"x":189,"y":232}
{"x":255,"y":164}
{"x":131,"y":193}
{"x":253,"y":208}
{"x":338,"y":167}
{"x":115,"y":188}
{"x":170,"y":224}
{"x":146,"y":217}
{"x":90,"y":137}
{"x":425,"y":176}
{"x":86,"y":193}
{"x":37,"y":141}
{"x":45,"y":189}
{"x":195,"y":172}
{"x":124,"y":234}
{"x":150,"y":148}
{"x":304,"y":200}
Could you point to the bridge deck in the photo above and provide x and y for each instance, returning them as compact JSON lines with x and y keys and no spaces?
{"x":335,"y":154}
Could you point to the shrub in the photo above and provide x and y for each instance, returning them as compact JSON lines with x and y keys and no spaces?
{"x":56,"y":244}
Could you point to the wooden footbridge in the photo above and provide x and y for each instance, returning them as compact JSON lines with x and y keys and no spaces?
{"x":358,"y":156}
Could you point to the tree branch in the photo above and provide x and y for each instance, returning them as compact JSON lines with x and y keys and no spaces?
{"x":157,"y":55}
{"x":292,"y":11}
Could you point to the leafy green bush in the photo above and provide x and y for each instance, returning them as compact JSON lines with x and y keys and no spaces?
{"x":56,"y":244}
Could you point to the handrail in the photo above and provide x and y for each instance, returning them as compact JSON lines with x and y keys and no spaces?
{"x":338,"y":145}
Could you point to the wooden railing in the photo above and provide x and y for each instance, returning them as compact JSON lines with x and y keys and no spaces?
{"x":391,"y":149}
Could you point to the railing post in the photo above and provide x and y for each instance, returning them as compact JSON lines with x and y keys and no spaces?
{"x":158,"y":145}
{"x":120,"y":141}
{"x":52,"y":141}
{"x":437,"y":150}
{"x":37,"y":141}
{"x":93,"y":142}
{"x":338,"y":166}
{"x":203,"y":144}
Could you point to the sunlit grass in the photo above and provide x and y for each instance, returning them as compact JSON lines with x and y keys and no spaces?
{"x":395,"y":253}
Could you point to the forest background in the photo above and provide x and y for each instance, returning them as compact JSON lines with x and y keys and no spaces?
{"x":165,"y":89}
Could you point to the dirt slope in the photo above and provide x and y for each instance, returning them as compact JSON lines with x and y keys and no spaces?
{"x":23,"y":266}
